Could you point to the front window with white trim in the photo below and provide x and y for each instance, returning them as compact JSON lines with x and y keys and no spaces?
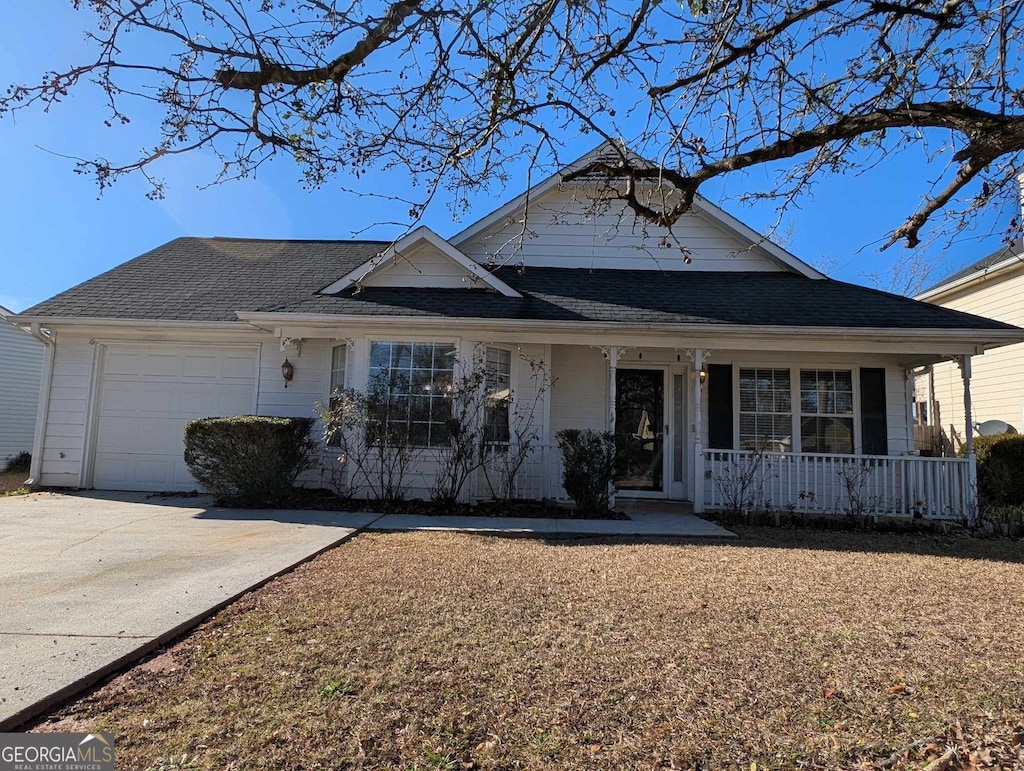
{"x":418,"y":378}
{"x":826,"y":411}
{"x":766,"y":409}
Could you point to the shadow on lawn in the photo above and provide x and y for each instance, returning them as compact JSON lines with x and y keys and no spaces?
{"x":932,"y":545}
{"x":921,"y":544}
{"x":204,"y":509}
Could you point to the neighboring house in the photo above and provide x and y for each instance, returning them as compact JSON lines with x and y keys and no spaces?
{"x":21,"y":363}
{"x":744,"y":355}
{"x":992,"y":287}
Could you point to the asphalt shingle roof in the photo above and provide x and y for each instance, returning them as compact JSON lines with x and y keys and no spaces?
{"x":209,"y":279}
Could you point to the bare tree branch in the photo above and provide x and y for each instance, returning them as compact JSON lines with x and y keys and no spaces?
{"x":456,"y":93}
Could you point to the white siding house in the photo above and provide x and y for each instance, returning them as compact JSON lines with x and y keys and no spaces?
{"x":21,"y":363}
{"x":699,"y":349}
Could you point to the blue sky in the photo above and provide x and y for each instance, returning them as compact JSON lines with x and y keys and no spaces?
{"x":58,"y":232}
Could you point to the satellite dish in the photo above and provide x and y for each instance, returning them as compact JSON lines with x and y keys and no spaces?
{"x":992,"y":427}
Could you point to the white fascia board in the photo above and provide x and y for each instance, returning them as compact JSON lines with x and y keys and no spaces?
{"x":730,"y":222}
{"x":535,"y":191}
{"x":422,"y":234}
{"x":973,"y":338}
{"x":88,"y":321}
{"x":976,"y":277}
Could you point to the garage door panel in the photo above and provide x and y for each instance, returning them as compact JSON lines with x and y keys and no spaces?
{"x":133,"y":399}
{"x":204,"y":366}
{"x":147,"y":397}
{"x":239,"y":368}
{"x":120,"y":362}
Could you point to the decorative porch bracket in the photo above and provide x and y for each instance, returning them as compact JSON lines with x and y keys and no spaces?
{"x":293,"y":341}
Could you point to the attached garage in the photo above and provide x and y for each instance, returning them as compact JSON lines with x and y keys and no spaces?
{"x":146,"y":395}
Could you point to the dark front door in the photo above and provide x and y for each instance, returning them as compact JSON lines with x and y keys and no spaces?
{"x":639,"y":428}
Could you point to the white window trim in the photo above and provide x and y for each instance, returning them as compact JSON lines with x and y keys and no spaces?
{"x":855,"y":415}
{"x":349,"y":352}
{"x":456,"y":342}
{"x":513,"y":364}
{"x":794,"y":386}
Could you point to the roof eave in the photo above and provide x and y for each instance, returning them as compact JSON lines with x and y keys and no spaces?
{"x":996,"y":336}
{"x":974,"y":278}
{"x":85,"y":321}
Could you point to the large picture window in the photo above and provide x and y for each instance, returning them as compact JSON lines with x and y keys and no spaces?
{"x":826,"y":411}
{"x":766,"y":409}
{"x":417,"y":378}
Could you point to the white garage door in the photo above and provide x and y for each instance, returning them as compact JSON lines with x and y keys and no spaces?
{"x":147,"y":395}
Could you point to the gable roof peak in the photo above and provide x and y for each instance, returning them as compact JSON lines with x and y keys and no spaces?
{"x":701,"y":204}
{"x":421,"y":235}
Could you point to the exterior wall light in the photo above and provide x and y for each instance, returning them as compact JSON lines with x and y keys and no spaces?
{"x":287,"y":371}
{"x":703,"y":375}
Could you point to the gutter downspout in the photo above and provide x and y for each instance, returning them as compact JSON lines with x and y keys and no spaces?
{"x":43,"y":410}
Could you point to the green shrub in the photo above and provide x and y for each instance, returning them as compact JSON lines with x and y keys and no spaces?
{"x":1000,"y":469}
{"x":588,"y":459}
{"x":20,"y":462}
{"x":1007,"y":521}
{"x":249,"y":460}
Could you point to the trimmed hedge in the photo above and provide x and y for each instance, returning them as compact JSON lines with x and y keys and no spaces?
{"x":588,"y":459}
{"x":249,"y":460}
{"x":1000,"y":469}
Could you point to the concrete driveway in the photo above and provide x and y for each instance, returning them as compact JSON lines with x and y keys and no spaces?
{"x":89,"y":582}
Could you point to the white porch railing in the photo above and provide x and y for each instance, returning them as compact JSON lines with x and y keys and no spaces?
{"x":936,"y":488}
{"x":539,"y":476}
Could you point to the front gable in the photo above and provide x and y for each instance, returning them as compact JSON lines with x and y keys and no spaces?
{"x":577,"y":225}
{"x":421,"y":259}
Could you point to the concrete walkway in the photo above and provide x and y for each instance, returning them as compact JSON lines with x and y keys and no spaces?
{"x":91,"y":582}
{"x":643,"y":523}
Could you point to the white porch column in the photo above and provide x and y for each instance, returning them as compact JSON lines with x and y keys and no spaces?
{"x":972,"y":462}
{"x":698,"y":448}
{"x":612,"y":352}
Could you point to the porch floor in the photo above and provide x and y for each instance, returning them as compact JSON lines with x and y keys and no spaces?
{"x":659,"y":519}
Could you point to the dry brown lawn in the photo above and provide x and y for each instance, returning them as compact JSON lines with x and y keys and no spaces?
{"x":13,"y":482}
{"x":445,"y":651}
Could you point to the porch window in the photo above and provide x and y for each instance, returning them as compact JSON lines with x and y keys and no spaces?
{"x":826,"y":411}
{"x":498,"y":383}
{"x":339,"y":359}
{"x":416,"y":379}
{"x":339,"y":362}
{"x":766,"y":410}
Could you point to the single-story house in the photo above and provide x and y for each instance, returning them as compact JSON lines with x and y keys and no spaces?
{"x":993,"y":287}
{"x":704,"y":350}
{"x":21,"y":366}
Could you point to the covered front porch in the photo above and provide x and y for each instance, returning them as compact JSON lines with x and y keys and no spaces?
{"x":805,"y":420}
{"x":760,"y":429}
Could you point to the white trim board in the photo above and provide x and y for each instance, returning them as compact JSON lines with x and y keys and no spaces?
{"x":421,"y":235}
